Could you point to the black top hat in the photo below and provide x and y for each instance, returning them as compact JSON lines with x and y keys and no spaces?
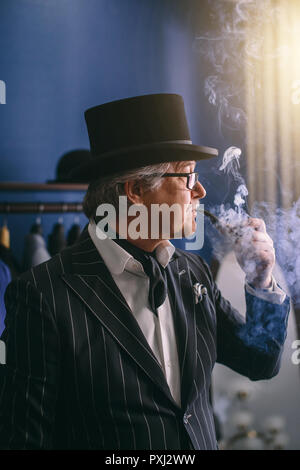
{"x":69,"y":161}
{"x":135,"y":132}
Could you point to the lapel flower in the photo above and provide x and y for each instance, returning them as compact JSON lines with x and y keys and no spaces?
{"x":199,"y":291}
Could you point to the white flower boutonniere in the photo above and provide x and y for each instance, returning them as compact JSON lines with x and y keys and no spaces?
{"x":199,"y":291}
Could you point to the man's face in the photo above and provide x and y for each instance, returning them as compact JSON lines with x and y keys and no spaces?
{"x":173,"y":190}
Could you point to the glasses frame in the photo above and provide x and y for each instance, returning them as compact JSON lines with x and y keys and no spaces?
{"x":187,"y":175}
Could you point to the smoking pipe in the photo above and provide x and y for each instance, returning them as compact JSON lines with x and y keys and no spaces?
{"x":224,"y":228}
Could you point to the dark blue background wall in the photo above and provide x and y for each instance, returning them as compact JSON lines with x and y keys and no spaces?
{"x":59,"y":57}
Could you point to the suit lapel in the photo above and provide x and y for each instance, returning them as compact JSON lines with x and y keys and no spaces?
{"x":183,"y":306}
{"x":92,"y":282}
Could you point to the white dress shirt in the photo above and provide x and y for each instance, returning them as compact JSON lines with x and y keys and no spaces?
{"x":133,"y":283}
{"x":158,"y":330}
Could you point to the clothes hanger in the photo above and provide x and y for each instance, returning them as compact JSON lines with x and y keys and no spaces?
{"x":37,"y":226}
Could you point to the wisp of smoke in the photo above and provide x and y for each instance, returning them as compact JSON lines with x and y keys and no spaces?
{"x":265,"y":330}
{"x":233,"y":52}
{"x":231,"y":162}
{"x":283,"y":225}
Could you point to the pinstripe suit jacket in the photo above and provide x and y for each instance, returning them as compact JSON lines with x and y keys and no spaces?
{"x":81,"y":375}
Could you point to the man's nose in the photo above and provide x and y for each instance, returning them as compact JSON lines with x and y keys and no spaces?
{"x":198,"y":191}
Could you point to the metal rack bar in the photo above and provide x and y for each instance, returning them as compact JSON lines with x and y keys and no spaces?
{"x":20,"y":186}
{"x":39,"y":207}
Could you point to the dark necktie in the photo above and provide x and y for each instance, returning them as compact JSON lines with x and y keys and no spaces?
{"x":158,"y":279}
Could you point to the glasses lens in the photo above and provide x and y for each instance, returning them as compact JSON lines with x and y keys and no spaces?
{"x":192,"y":180}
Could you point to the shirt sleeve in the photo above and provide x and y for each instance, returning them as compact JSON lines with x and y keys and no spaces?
{"x":251,"y":345}
{"x":273,"y":294}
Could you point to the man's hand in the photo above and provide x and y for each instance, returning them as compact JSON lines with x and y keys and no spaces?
{"x":255,"y":253}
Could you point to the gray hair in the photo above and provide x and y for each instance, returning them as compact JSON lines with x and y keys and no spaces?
{"x":108,"y":189}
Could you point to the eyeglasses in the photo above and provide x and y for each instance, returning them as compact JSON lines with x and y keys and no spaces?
{"x":192,"y":178}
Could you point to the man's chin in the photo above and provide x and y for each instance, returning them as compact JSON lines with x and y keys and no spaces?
{"x":187,"y":231}
{"x":189,"y":228}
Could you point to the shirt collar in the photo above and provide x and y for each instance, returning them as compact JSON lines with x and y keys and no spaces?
{"x":117,"y":259}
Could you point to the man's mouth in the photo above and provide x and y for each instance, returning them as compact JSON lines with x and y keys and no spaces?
{"x":195,"y":210}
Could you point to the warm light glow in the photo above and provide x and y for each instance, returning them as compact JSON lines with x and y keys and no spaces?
{"x":273,"y":104}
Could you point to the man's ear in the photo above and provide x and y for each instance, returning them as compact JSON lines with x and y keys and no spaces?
{"x":134,"y":191}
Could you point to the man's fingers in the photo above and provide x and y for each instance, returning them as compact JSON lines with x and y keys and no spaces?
{"x":256,"y":247}
{"x":254,"y":242}
{"x":255,"y":251}
{"x":262,"y":237}
{"x":257,"y":224}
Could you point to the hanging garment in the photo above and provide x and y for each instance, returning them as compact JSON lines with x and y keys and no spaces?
{"x":35,"y":250}
{"x":37,"y":228}
{"x":56,"y":239}
{"x":73,"y":234}
{"x":5,"y":252}
{"x":5,"y":278}
{"x":5,"y":236}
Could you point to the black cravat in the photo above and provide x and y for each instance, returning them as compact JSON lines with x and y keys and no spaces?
{"x":158,"y":279}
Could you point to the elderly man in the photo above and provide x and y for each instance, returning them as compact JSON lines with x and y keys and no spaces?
{"x":112,"y":342}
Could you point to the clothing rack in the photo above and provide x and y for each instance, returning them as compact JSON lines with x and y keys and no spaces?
{"x":20,"y":186}
{"x":39,"y":207}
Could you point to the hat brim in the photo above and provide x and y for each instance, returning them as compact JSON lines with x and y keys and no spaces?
{"x":102,"y":166}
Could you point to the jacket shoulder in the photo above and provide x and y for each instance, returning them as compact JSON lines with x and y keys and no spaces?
{"x":196,"y":262}
{"x":46,"y":275}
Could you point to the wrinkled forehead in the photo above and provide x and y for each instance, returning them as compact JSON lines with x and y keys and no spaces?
{"x":183,"y":167}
